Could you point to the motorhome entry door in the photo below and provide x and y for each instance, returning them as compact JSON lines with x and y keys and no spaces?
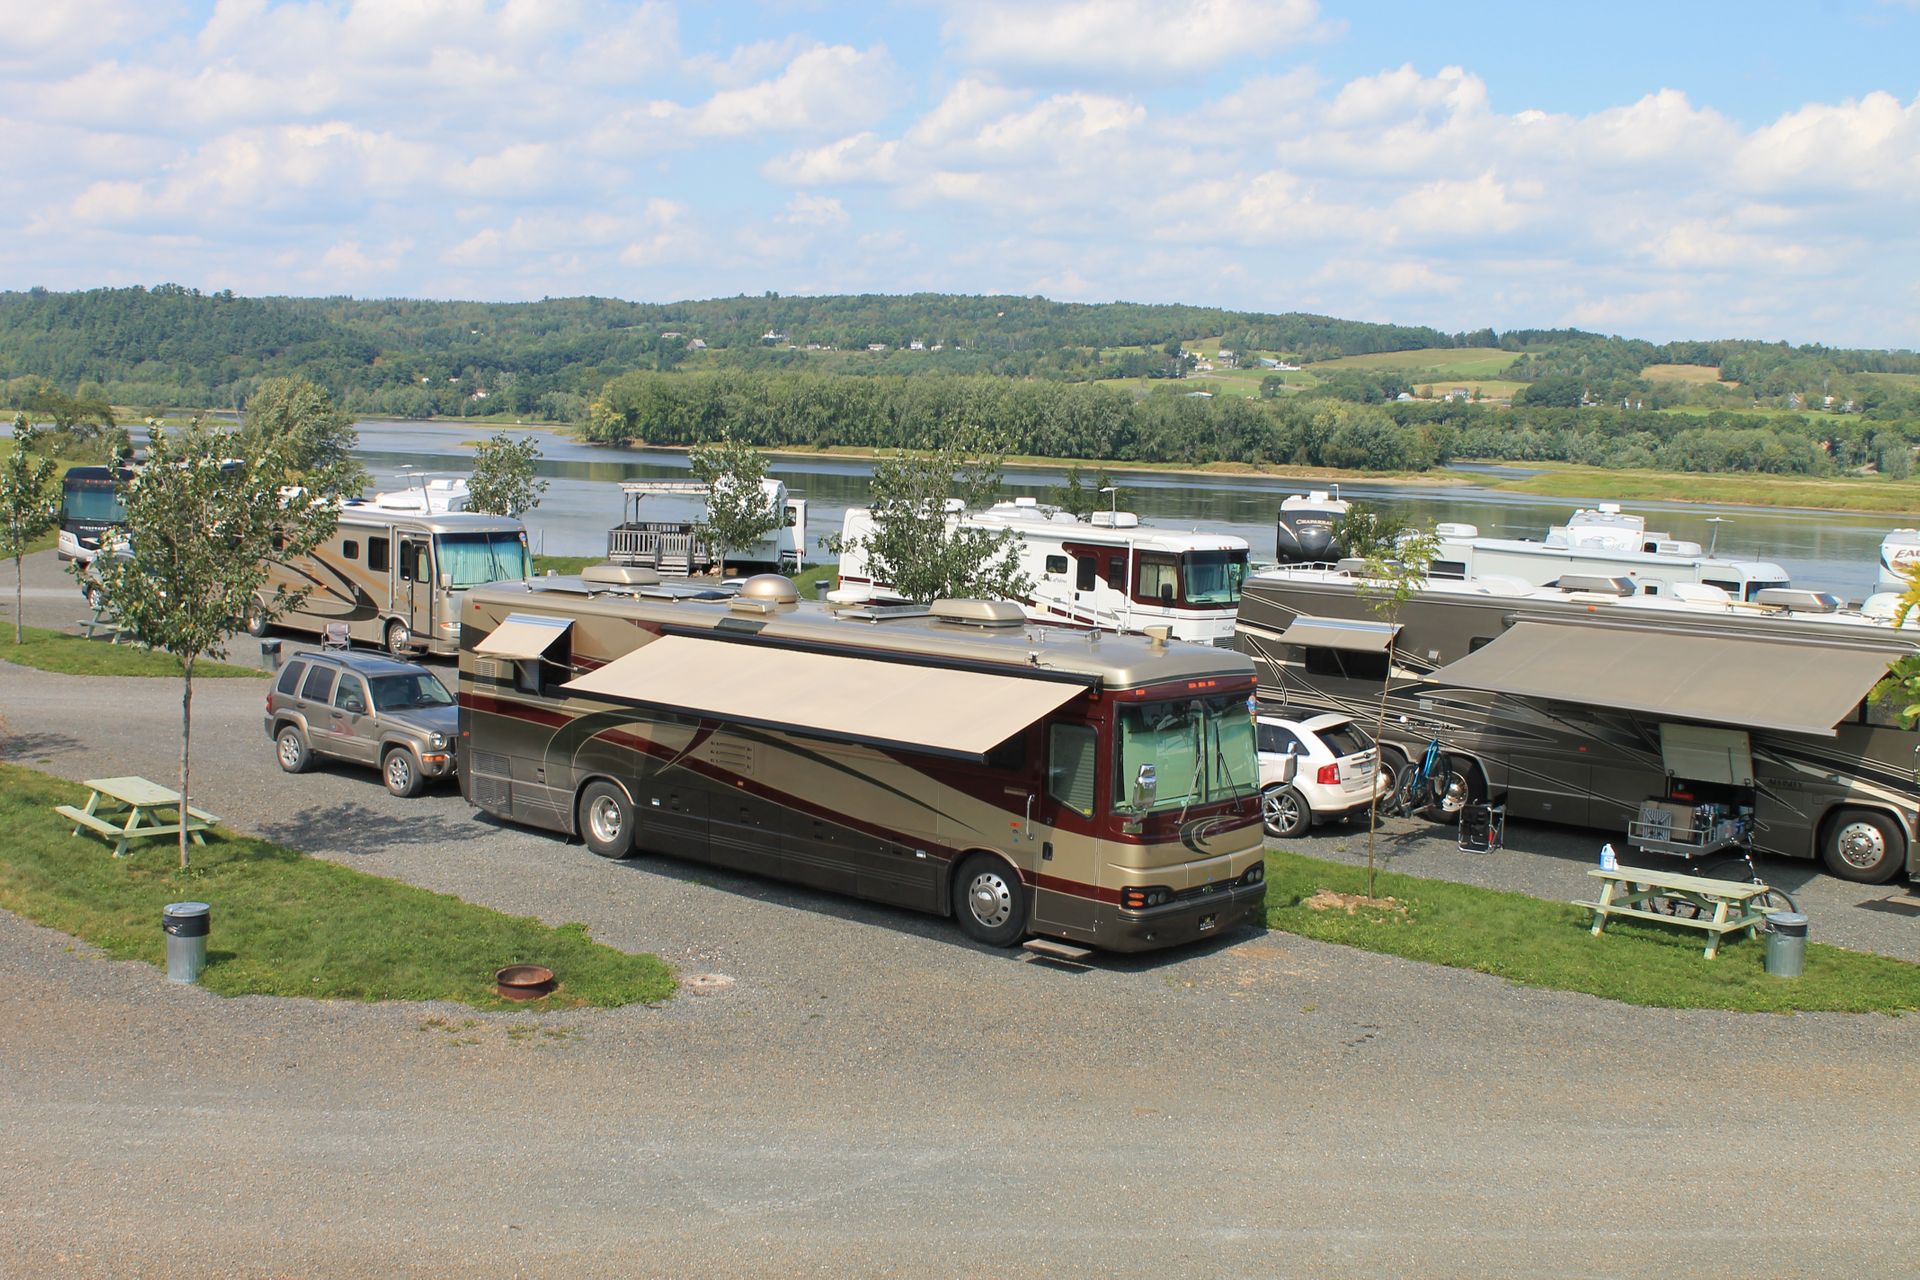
{"x":414,"y":600}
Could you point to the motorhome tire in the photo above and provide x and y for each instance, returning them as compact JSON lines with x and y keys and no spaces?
{"x":989,"y":901}
{"x":290,"y":748}
{"x":256,"y":622}
{"x":1393,"y":763}
{"x":399,"y":638}
{"x":1284,"y":812}
{"x":1863,"y":846}
{"x":401,"y":772}
{"x":606,"y":820}
{"x":1460,"y":784}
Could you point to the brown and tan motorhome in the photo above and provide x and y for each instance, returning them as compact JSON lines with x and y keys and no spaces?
{"x":1582,"y":704}
{"x":1101,"y":790}
{"x":395,"y":578}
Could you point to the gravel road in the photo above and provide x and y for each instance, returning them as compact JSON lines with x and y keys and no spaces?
{"x":875,"y":1095}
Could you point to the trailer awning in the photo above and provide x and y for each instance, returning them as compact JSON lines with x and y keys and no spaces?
{"x":523,"y":636}
{"x":1789,"y":685}
{"x":1353,"y":635}
{"x":820,"y":695}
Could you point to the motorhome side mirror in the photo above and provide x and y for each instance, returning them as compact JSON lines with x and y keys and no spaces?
{"x":1146,"y":784}
{"x":446,"y":582}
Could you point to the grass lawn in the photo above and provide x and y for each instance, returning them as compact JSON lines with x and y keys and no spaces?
{"x":76,"y":656}
{"x":1442,"y":362}
{"x":286,"y":924}
{"x":1833,"y":493}
{"x":1536,"y":943}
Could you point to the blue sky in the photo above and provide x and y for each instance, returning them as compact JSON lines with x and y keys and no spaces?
{"x":1661,"y":171}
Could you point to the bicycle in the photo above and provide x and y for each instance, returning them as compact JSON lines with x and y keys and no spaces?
{"x":1435,"y":788}
{"x":1774,"y":899}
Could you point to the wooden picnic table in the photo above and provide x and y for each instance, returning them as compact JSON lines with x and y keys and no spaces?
{"x":1726,"y":906}
{"x":133,"y":808}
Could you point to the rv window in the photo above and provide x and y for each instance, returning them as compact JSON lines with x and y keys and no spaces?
{"x":1348,"y":665}
{"x":1085,"y":565}
{"x":290,"y":678}
{"x":413,"y":562}
{"x":1116,"y":572}
{"x":1447,"y":569}
{"x":351,"y":696}
{"x":1731,"y":588}
{"x":319,"y":685}
{"x":543,"y":677}
{"x":1156,"y":579}
{"x":1650,"y":589}
{"x":350,"y":549}
{"x":793,"y":517}
{"x":1478,"y":643}
{"x":1880,"y":715}
{"x":1071,"y":765}
{"x":377,"y":554}
{"x":1056,"y":564}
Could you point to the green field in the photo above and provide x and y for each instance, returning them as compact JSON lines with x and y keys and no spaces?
{"x":1834,"y":493}
{"x":1699,"y":373}
{"x":1460,"y":363}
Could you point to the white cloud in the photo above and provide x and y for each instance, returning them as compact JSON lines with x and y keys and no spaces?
{"x":808,"y":210}
{"x":1451,"y":208}
{"x":821,"y":90}
{"x":1125,"y":38}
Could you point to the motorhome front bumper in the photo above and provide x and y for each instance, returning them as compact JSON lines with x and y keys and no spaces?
{"x":1187,"y":920}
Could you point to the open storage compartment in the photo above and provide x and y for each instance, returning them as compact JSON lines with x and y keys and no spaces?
{"x":1708,"y":805}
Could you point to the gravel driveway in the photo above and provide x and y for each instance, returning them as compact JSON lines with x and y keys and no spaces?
{"x":875,"y":1095}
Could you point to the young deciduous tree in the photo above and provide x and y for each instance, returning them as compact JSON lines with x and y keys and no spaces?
{"x":29,"y":505}
{"x":1078,"y":498}
{"x":503,"y":483}
{"x":296,"y":421}
{"x":739,"y":513}
{"x":1393,"y":576}
{"x":199,"y":535}
{"x":918,"y":546}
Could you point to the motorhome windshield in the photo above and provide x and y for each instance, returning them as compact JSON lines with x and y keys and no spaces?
{"x":470,"y":559}
{"x":1213,"y":577}
{"x":1201,"y":750}
{"x":92,"y":500}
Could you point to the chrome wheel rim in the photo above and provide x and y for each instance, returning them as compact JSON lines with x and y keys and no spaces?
{"x":289,"y":751}
{"x":603,"y":818}
{"x":990,"y":899}
{"x":399,"y":771}
{"x":1282,"y":810}
{"x":398,"y":637}
{"x":1453,"y":793}
{"x":1861,"y":845}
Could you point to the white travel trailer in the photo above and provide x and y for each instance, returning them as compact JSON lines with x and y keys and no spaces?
{"x":1110,"y":572}
{"x":1899,"y":553}
{"x":1601,"y":542}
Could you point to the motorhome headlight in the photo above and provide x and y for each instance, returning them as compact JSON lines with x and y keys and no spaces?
{"x":1140,"y":897}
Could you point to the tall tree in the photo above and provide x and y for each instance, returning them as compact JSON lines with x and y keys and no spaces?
{"x":739,"y":512}
{"x":1077,"y":497}
{"x":917,"y":544}
{"x":297,"y":422}
{"x":503,"y":481}
{"x":29,"y":505}
{"x":199,"y":531}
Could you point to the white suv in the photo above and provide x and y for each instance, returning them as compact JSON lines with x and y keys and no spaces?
{"x":1314,"y":766}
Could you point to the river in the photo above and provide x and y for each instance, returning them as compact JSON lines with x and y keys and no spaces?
{"x":1823,"y":550}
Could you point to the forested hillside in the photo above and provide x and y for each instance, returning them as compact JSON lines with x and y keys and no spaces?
{"x":1115,"y":381}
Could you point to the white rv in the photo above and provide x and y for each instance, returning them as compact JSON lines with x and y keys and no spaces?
{"x":1602,"y":542}
{"x":673,"y":545}
{"x":1109,"y":572}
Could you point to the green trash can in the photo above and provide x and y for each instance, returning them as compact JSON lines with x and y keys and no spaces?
{"x":1786,"y":943}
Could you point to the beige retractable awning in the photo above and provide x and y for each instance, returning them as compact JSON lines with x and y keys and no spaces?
{"x":1751,"y":683}
{"x":894,"y":704}
{"x":1351,"y":634}
{"x":523,"y":636}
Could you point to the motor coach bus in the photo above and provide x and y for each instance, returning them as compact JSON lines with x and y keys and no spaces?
{"x":1099,"y":790}
{"x":1581,"y":705}
{"x":90,"y":510}
{"x":395,"y":577}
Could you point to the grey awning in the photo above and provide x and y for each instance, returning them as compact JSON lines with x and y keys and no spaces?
{"x":523,"y":636}
{"x":1796,"y":686}
{"x":1354,"y":635}
{"x":824,"y":695}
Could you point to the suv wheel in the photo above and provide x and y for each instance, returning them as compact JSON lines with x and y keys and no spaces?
{"x":290,"y":745}
{"x":401,"y":772}
{"x":1284,"y":812}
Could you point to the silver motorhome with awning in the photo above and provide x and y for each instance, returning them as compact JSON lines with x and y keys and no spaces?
{"x":1581,"y":706}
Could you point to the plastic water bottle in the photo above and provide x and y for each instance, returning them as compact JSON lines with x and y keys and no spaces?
{"x":1609,"y":860}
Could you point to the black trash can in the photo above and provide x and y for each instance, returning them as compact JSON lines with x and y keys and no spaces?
{"x":820,"y":589}
{"x":187,"y":925}
{"x":1786,"y":943}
